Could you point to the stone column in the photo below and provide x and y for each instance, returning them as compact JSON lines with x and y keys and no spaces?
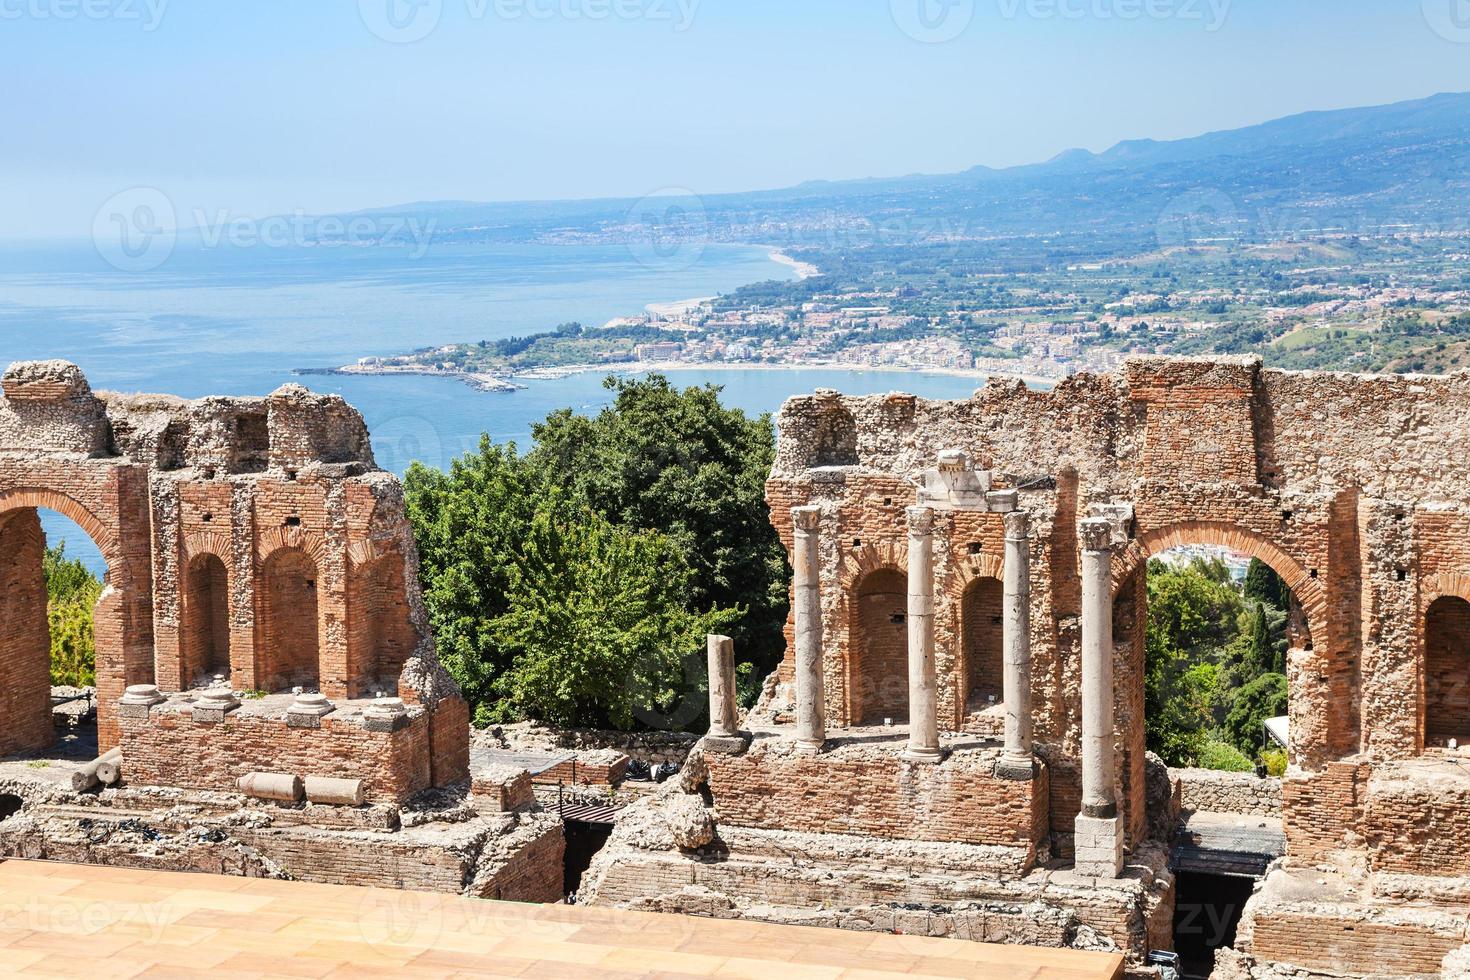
{"x":923,"y":700}
{"x":1099,"y":834}
{"x":811,"y":707}
{"x":723,"y":716}
{"x":1016,"y":605}
{"x":721,"y":685}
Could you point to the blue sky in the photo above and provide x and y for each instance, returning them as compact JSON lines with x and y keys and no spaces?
{"x":271,"y":106}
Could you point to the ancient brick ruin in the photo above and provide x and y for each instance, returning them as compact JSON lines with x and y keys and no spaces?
{"x":954,"y":743}
{"x":260,"y":641}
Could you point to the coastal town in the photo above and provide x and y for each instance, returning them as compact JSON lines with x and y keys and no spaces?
{"x":1301,"y":306}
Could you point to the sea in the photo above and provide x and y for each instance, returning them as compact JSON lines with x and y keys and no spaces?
{"x":240,"y":319}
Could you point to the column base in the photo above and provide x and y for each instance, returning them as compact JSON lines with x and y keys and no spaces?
{"x":928,"y":757}
{"x":1098,"y":843}
{"x":1021,"y":769}
{"x":727,"y":744}
{"x":809,"y":747}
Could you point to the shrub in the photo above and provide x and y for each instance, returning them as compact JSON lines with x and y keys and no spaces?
{"x":1275,"y":761}
{"x":1223,"y":757}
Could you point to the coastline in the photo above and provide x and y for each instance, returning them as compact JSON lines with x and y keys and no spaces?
{"x":517,"y":380}
{"x":648,"y":367}
{"x":804,"y":270}
{"x":512,"y":383}
{"x":673,"y":308}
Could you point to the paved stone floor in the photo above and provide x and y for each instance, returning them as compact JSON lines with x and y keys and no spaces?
{"x":73,"y":920}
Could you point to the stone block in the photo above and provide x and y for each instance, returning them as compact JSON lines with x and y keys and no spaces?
{"x":1098,"y":846}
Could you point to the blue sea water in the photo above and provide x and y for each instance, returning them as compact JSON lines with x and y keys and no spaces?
{"x":239,"y":320}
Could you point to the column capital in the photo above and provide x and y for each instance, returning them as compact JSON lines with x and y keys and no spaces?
{"x":807,"y":518}
{"x":921,"y":520}
{"x":1096,"y":534}
{"x":1018,"y":525}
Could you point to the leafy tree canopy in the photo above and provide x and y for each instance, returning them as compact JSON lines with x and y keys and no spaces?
{"x":71,"y":593}
{"x":572,"y":584}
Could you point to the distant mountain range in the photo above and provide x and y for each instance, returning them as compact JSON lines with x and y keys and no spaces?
{"x":1368,"y":171}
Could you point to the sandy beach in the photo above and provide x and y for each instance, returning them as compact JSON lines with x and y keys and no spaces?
{"x":678,"y":307}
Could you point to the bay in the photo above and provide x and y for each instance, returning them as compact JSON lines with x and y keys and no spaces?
{"x":239,"y":320}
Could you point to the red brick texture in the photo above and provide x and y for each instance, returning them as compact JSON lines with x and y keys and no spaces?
{"x":873,"y":793}
{"x":252,"y":537}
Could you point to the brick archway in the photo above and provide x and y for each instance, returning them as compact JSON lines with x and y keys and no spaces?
{"x":41,"y":498}
{"x":1307,"y":590}
{"x":25,"y":636}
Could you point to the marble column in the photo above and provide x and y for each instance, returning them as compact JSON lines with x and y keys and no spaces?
{"x":923,"y":688}
{"x":1099,"y":836}
{"x":722,"y":716}
{"x":1016,"y":631}
{"x":811,"y":706}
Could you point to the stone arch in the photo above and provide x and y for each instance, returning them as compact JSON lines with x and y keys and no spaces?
{"x":878,"y":646}
{"x":277,"y":539}
{"x":380,"y":631}
{"x":215,"y":543}
{"x":25,"y":637}
{"x":204,"y":634}
{"x":864,"y":559}
{"x":288,"y":652}
{"x":1446,"y":673}
{"x":1446,"y":584}
{"x":23,"y":498}
{"x":1307,"y":590}
{"x":981,"y":640}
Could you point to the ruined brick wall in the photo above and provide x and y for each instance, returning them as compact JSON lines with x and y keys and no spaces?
{"x":252,"y":537}
{"x":171,"y":749}
{"x":853,"y":790}
{"x":1353,"y":488}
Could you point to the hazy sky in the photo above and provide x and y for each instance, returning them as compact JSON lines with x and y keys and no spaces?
{"x":270,"y":106}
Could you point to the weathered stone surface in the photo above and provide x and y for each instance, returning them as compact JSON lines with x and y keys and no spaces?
{"x":690,"y":823}
{"x":1355,"y":489}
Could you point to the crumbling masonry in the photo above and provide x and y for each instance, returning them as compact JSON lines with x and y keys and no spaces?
{"x":955,"y":741}
{"x":264,"y":664}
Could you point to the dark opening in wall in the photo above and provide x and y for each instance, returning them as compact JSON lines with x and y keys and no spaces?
{"x":252,"y":442}
{"x":584,"y":840}
{"x":1207,"y":910}
{"x":10,"y":805}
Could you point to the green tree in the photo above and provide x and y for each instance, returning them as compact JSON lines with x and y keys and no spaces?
{"x":1193,"y":620}
{"x":71,"y":593}
{"x":1259,"y":699}
{"x":1264,"y":585}
{"x":542,"y":607}
{"x":596,"y":632}
{"x":678,"y":462}
{"x":469,"y":524}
